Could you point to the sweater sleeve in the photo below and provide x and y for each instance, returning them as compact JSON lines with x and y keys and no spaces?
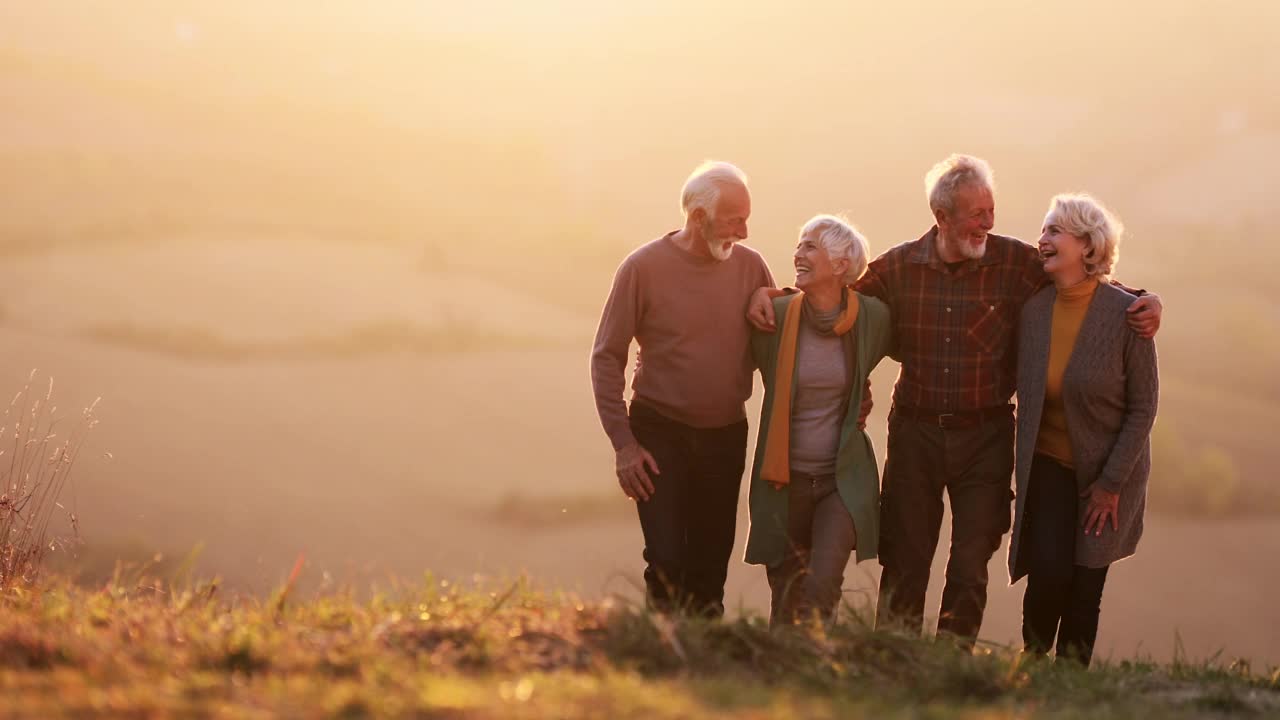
{"x":764,"y":347}
{"x":760,"y":354}
{"x":764,"y":279}
{"x":618,"y":323}
{"x":1142,"y":393}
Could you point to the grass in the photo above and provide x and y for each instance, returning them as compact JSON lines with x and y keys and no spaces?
{"x":141,"y":648}
{"x":37,"y":457}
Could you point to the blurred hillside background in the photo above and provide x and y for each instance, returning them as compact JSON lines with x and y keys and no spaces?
{"x":334,"y":268}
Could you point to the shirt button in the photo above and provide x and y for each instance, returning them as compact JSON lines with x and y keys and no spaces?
{"x":946,"y":370}
{"x":948,"y":309}
{"x":948,"y":339}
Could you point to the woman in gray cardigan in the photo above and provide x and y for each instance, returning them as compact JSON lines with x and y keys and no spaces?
{"x":1087,"y":394}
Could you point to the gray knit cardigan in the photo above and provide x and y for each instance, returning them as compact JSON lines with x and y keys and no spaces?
{"x":1110,"y":391}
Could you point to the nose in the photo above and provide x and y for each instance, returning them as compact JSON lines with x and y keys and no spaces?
{"x":988,"y":220}
{"x":741,"y":233}
{"x":797,"y":254}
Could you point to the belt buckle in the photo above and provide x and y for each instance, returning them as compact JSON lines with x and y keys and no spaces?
{"x":942,"y":422}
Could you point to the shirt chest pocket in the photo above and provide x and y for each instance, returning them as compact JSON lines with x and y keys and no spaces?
{"x":988,"y":326}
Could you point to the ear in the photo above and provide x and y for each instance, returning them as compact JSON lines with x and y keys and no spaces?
{"x":1086,"y":246}
{"x":840,"y":267}
{"x":698,"y":215}
{"x":940,"y":217}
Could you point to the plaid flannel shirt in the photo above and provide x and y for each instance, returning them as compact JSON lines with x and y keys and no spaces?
{"x":955,"y":329}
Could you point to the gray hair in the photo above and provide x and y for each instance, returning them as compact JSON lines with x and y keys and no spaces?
{"x":702,"y":189}
{"x":1081,"y":215}
{"x":943,"y":179}
{"x":841,"y":240}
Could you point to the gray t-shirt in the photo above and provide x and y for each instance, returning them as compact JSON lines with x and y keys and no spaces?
{"x":821,"y":390}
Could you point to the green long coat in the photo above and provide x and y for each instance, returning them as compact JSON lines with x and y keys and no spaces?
{"x":857,"y":476}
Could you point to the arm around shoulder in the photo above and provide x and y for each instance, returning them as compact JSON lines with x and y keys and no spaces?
{"x":764,"y":347}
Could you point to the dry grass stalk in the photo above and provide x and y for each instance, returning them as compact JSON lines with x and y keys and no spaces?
{"x":35,"y":467}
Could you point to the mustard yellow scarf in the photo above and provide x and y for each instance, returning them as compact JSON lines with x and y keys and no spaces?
{"x":776,"y":469}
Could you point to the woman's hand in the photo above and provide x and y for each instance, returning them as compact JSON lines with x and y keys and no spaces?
{"x":1103,"y":504}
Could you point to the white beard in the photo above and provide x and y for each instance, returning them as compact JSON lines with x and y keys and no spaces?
{"x":718,"y":252}
{"x":974,"y":253}
{"x":964,"y":250}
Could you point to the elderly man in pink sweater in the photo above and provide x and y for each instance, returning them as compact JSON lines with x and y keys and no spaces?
{"x":681,"y":444}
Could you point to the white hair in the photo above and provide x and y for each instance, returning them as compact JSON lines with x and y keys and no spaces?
{"x":702,"y":189}
{"x":1081,"y":215}
{"x":943,"y":179}
{"x":841,"y":240}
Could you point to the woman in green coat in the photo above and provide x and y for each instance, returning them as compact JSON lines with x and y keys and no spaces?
{"x":815,"y":488}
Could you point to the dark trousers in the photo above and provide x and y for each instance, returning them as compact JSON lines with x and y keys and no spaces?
{"x":689,"y":520}
{"x":1062,"y":598}
{"x":974,"y":465}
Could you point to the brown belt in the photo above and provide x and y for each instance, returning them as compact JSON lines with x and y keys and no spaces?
{"x":953,"y":420}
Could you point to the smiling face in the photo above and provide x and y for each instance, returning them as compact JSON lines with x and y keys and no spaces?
{"x":727,"y":226}
{"x":814,"y":267}
{"x":1061,"y":251}
{"x":963,"y":231}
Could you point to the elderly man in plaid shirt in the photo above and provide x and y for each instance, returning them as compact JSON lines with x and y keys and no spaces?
{"x":955,"y":295}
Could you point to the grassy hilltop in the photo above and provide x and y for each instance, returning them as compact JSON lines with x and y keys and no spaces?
{"x":432,"y":649}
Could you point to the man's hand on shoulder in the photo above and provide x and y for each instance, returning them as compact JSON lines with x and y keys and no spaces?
{"x":1144,"y":315}
{"x":760,"y":309}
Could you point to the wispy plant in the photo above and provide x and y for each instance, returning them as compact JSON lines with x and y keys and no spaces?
{"x":36,"y":463}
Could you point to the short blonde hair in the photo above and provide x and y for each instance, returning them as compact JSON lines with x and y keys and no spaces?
{"x":702,"y":188}
{"x":1081,"y":215}
{"x":943,"y":179}
{"x":841,"y":240}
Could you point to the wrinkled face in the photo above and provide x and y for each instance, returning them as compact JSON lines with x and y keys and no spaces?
{"x":964,"y":230}
{"x":1060,"y":250}
{"x":728,"y":225}
{"x":814,"y":267}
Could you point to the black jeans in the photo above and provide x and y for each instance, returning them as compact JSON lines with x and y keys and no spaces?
{"x":690,"y":519}
{"x":1062,"y":598}
{"x":974,"y":465}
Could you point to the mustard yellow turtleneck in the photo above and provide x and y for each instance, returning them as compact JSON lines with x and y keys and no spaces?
{"x":1068,"y":315}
